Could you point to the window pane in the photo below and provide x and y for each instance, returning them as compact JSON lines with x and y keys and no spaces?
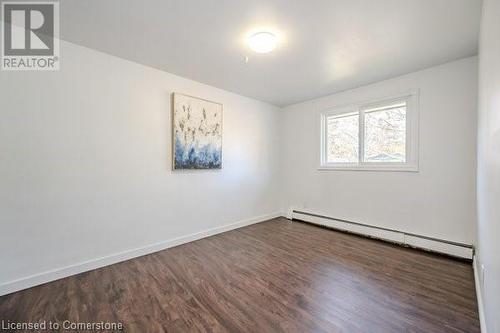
{"x":342,"y":139}
{"x":385,"y":135}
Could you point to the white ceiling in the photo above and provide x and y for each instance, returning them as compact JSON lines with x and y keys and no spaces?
{"x":325,"y":45}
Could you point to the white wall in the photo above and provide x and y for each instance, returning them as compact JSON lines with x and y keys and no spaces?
{"x":488,"y":166}
{"x":85,"y":163}
{"x":85,"y":157}
{"x":438,"y":201}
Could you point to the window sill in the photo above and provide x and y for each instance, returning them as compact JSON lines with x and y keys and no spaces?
{"x":387,"y":168}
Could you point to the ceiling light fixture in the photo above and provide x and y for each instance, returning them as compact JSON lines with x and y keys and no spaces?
{"x":262,"y":42}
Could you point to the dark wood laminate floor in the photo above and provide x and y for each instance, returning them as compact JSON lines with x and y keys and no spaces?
{"x":269,"y":277}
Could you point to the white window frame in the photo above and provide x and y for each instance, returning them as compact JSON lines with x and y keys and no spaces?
{"x":412,"y":120}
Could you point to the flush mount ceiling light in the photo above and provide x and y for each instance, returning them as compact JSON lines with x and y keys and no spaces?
{"x":262,"y":42}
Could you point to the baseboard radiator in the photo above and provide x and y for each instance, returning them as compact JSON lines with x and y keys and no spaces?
{"x":451,"y":248}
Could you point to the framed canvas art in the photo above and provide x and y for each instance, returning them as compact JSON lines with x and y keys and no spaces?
{"x":197,"y":133}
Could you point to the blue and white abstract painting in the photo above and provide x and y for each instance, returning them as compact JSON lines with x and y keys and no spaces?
{"x":197,"y":131}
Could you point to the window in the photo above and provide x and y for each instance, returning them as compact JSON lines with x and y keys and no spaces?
{"x":343,"y":140}
{"x":371,"y":136}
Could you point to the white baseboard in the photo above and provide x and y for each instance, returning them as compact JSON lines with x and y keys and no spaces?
{"x":479,"y":295}
{"x":62,"y":272}
{"x":400,"y":237}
